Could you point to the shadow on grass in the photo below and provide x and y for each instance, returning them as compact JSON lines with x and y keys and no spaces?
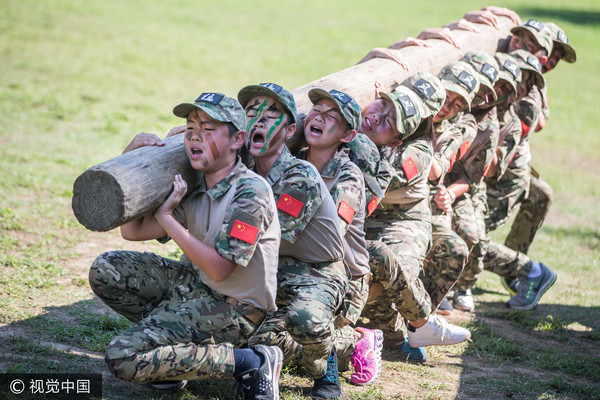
{"x":72,"y":339}
{"x":580,"y":17}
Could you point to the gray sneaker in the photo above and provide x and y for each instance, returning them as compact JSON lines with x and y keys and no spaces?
{"x":463,"y":300}
{"x":530,"y":290}
{"x":510,"y":284}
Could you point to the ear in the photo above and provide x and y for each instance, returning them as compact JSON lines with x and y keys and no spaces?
{"x":543,"y":59}
{"x":290,"y":130}
{"x":350,"y":135}
{"x":394,"y":143}
{"x":238,"y":140}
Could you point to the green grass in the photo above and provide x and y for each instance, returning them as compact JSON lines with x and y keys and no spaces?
{"x":80,"y":79}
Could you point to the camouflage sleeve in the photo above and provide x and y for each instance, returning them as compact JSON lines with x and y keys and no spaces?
{"x":412,"y":161}
{"x":446,"y":149}
{"x":348,"y":194}
{"x":249,"y":214}
{"x":298,"y":198}
{"x":507,"y":147}
{"x":528,"y":110}
{"x":545,"y":102}
{"x":475,"y":163}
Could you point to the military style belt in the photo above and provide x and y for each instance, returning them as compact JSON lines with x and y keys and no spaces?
{"x":250,"y":312}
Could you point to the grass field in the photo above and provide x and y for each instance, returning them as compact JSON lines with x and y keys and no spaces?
{"x":79,"y":79}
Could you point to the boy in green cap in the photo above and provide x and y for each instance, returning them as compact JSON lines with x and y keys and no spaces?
{"x":191,"y":316}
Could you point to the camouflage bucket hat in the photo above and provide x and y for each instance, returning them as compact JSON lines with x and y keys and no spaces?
{"x":540,"y":32}
{"x":509,"y":69}
{"x":270,"y":90}
{"x":217,"y":106}
{"x":527,"y":61}
{"x":461,"y":78}
{"x":560,"y":38}
{"x":486,"y":67}
{"x":429,"y":89}
{"x":346,"y":103}
{"x":409,"y":110}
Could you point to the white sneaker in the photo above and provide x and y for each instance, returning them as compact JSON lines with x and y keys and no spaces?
{"x":437,"y":331}
{"x":464,"y":300}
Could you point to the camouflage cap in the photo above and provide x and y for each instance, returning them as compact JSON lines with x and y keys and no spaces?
{"x":409,"y":110}
{"x":540,"y":32}
{"x":461,"y":78}
{"x":346,"y":103}
{"x":429,"y":89}
{"x":270,"y":90}
{"x":486,"y":67}
{"x":560,"y":38}
{"x":217,"y":106}
{"x":529,"y":62}
{"x":509,"y":69}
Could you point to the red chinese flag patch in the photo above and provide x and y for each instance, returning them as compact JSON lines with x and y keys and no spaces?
{"x":452,"y":159}
{"x":290,"y":205}
{"x":410,"y":169}
{"x":243,"y":231}
{"x":524,"y":129}
{"x":487,"y":168}
{"x":346,"y":212}
{"x":463,"y":149}
{"x":371,"y":206}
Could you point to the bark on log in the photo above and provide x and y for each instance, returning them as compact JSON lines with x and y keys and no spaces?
{"x":136,"y":183}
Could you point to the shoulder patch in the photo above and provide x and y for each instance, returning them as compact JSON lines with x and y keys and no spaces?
{"x":410,"y":169}
{"x":292,"y":201}
{"x":463,"y":149}
{"x":372,"y":206}
{"x":244,"y":226}
{"x":452,"y":160}
{"x":346,"y":211}
{"x":524,"y":129}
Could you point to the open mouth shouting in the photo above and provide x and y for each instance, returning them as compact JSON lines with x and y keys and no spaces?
{"x":196,"y":153}
{"x":315,"y":130}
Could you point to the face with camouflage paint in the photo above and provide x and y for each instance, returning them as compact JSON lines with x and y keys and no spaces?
{"x":379,"y":123}
{"x":504,"y":90}
{"x":483,"y":98}
{"x":266,"y":124}
{"x":325,"y":125}
{"x":555,"y":57}
{"x":453,"y":104}
{"x":208,"y":144}
{"x":524,"y":40}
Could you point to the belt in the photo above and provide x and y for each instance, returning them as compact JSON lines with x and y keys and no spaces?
{"x":253,"y":314}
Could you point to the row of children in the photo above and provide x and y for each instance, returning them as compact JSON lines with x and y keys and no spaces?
{"x":375,"y":215}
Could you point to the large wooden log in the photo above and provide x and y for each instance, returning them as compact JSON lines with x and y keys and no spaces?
{"x":131,"y":185}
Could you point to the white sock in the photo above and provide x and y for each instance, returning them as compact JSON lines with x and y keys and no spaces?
{"x":536,"y":270}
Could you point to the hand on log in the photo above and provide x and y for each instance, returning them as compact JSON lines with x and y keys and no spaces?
{"x":390,"y":54}
{"x":143,"y":139}
{"x":464,"y":25}
{"x":444,"y":34}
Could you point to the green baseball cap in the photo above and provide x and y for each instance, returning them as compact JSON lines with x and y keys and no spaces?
{"x":486,"y":67}
{"x":560,"y":38}
{"x":461,"y":78}
{"x":509,"y":69}
{"x":528,"y":61}
{"x":429,"y":89}
{"x":217,"y":106}
{"x":540,"y":32}
{"x":346,"y":103}
{"x":270,"y":90}
{"x":409,"y":110}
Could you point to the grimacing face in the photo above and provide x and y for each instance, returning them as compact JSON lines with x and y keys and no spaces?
{"x":379,"y":122}
{"x":325,"y":125}
{"x":266,"y":123}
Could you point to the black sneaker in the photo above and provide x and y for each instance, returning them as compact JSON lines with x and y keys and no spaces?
{"x":329,"y":386}
{"x":263,"y":383}
{"x":169,"y":385}
{"x":531,"y":290}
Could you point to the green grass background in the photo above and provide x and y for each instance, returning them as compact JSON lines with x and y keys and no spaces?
{"x":78,"y":79}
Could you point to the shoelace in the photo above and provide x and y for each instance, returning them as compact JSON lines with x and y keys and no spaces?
{"x":331,"y":375}
{"x":442,"y":324}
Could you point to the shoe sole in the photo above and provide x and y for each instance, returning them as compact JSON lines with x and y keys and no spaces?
{"x":445,"y":343}
{"x":547,"y":285}
{"x":378,"y":349}
{"x":507,"y":287}
{"x":277,"y":372}
{"x":463,"y":308}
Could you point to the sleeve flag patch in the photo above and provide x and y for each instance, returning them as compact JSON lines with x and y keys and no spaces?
{"x":463,"y":150}
{"x":243,"y":231}
{"x":524,"y":129}
{"x":290,"y":205}
{"x":410,"y":169}
{"x":452,"y":160}
{"x":371,"y":206}
{"x":346,"y":212}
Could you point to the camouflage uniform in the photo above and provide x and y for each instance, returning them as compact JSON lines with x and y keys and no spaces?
{"x":446,"y":260}
{"x":312,"y":276}
{"x":187,"y":325}
{"x":469,"y":209}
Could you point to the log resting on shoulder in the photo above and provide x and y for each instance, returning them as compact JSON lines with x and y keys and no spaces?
{"x":136,"y":183}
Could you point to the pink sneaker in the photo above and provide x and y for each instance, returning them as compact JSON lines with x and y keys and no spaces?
{"x":366,"y":358}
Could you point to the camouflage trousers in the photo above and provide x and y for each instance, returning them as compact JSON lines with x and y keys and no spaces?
{"x":468,"y":222}
{"x":531,"y":215}
{"x":184,"y":330}
{"x":354,"y":302}
{"x":308,"y":298}
{"x":397,"y":250}
{"x":445,"y":261}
